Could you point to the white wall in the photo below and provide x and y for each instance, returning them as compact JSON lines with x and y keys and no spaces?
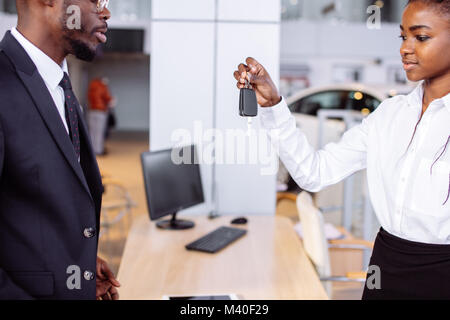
{"x":196,"y":46}
{"x":181,"y":93}
{"x":7,"y":21}
{"x":128,"y":76}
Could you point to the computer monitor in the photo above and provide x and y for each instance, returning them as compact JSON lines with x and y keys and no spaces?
{"x":172,"y":183}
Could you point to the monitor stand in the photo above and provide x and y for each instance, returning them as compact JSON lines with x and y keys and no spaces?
{"x":175,"y":224}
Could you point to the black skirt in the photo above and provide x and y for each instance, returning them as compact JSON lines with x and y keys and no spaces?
{"x":408,"y":270}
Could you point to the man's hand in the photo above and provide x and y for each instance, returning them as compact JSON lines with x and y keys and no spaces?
{"x":106,"y":282}
{"x":266,"y":91}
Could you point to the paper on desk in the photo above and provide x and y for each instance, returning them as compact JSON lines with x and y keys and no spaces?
{"x":330,"y":231}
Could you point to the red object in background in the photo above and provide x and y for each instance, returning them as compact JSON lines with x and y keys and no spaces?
{"x":99,"y":96}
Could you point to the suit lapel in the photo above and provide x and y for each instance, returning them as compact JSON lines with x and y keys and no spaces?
{"x":37,"y":89}
{"x":46,"y":107}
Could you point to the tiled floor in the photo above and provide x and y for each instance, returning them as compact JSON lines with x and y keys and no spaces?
{"x":122,"y":163}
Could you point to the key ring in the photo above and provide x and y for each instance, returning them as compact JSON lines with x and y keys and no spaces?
{"x":248,"y":85}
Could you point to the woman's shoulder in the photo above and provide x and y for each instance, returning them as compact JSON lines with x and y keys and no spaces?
{"x":414,"y":96}
{"x":388,"y":110}
{"x":397,"y":103}
{"x":393,"y":101}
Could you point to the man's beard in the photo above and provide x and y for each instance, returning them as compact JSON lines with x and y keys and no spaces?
{"x":81,"y":50}
{"x":78,"y":48}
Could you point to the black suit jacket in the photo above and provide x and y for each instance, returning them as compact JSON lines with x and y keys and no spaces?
{"x":47,"y":198}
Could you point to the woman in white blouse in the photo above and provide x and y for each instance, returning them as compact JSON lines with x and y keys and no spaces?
{"x":404,"y":145}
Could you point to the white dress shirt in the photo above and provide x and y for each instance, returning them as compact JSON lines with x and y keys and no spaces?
{"x":407,"y":197}
{"x":50,"y":71}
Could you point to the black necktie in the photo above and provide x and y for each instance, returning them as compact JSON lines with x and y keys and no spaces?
{"x":71,"y":106}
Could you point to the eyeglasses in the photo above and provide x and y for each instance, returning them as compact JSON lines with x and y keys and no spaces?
{"x":101,"y":5}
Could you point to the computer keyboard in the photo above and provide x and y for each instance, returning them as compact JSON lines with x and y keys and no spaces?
{"x":216,"y":240}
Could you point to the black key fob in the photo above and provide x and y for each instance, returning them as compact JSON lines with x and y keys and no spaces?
{"x":248,"y":105}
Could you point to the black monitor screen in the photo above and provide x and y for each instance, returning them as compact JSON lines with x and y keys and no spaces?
{"x":124,"y":40}
{"x":171,"y":187}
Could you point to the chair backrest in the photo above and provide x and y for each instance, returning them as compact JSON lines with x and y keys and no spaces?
{"x":313,"y":230}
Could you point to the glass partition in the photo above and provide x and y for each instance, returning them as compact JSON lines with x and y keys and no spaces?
{"x":131,"y":10}
{"x":341,"y":10}
{"x":337,"y":10}
{"x":125,"y":10}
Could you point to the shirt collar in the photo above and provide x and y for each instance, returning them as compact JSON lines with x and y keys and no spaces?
{"x":446,"y":101}
{"x":415,"y":98}
{"x":50,"y":71}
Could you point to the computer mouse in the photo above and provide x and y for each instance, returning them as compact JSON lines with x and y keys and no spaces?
{"x":240,"y":220}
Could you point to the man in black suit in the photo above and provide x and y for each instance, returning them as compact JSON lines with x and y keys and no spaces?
{"x":50,"y":186}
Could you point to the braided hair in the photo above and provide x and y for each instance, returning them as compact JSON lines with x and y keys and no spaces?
{"x":444,"y":149}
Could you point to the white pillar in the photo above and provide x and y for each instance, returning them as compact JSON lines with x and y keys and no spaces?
{"x":196,"y":46}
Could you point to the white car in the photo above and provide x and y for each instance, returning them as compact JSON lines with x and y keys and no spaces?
{"x":353,"y":96}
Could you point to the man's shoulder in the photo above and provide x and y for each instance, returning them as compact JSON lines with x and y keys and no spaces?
{"x":7,"y":68}
{"x":11,"y":87}
{"x":9,"y":79}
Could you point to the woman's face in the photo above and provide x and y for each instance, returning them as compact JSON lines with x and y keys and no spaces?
{"x":426,"y":42}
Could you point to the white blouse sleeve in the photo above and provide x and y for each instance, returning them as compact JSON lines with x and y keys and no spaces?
{"x":314,"y":170}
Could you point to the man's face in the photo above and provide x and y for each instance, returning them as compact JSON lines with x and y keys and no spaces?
{"x":82,"y":35}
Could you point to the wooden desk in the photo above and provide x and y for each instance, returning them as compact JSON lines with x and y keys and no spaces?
{"x":268,"y":263}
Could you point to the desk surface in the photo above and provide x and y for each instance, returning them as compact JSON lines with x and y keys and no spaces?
{"x":268,"y":263}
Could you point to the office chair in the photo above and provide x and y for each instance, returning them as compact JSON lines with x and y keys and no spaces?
{"x":115,"y":198}
{"x":317,"y":247}
{"x":286,"y":205}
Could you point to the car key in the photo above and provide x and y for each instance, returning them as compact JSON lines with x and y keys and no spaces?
{"x":248,"y":104}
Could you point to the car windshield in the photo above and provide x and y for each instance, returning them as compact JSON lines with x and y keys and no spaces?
{"x":336,"y":99}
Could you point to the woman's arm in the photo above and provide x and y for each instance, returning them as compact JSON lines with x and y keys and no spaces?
{"x":314,"y":170}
